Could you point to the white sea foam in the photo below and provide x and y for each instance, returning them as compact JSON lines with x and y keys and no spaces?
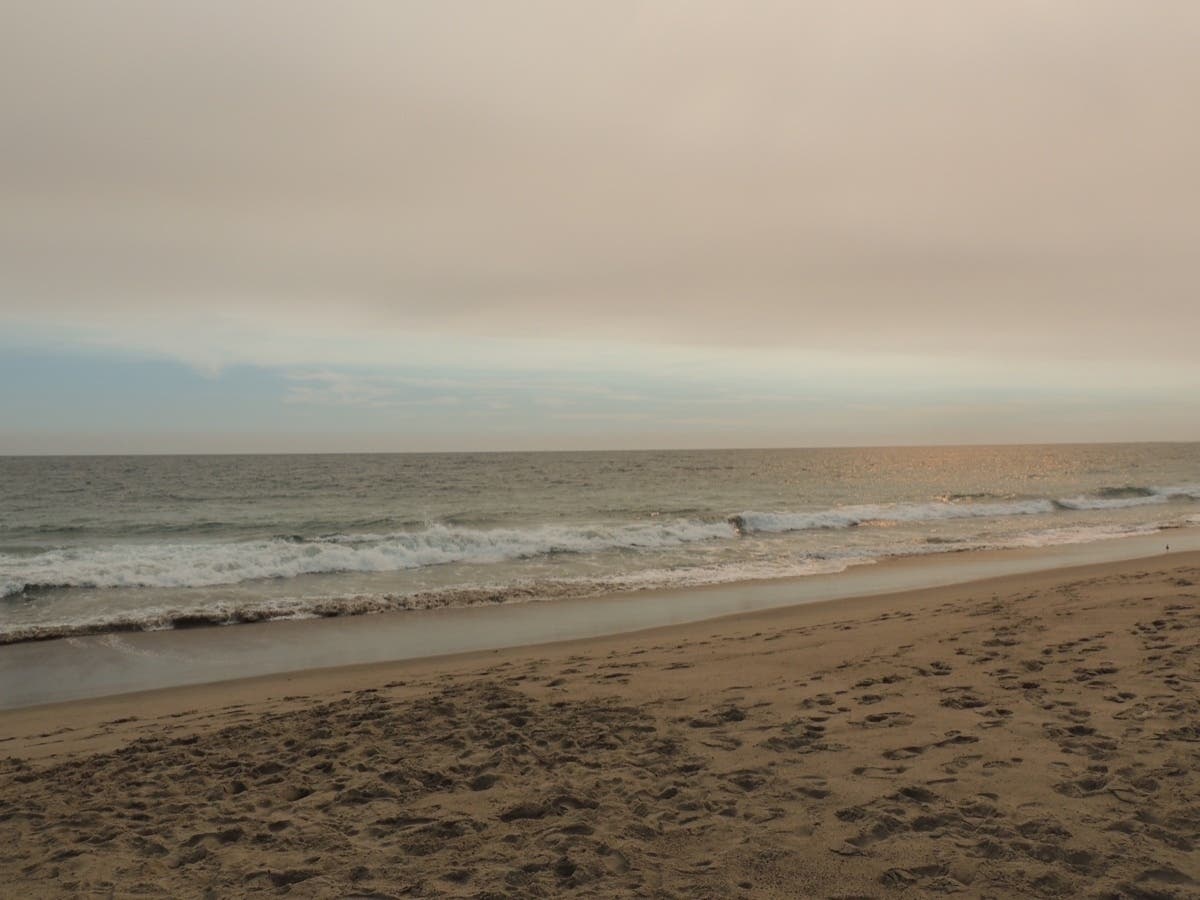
{"x":208,"y":564}
{"x":1183,"y":491}
{"x":1088,"y":502}
{"x":850,"y":516}
{"x":158,"y":618}
{"x":1083,"y":534}
{"x":523,"y":590}
{"x":204,"y":564}
{"x":1083,"y":503}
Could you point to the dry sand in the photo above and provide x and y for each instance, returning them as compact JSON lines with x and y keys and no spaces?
{"x":1036,"y":735}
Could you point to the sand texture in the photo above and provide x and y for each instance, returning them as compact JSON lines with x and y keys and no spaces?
{"x":1030,"y":736}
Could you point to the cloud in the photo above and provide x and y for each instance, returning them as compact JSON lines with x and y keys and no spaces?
{"x":679,"y":214}
{"x":1015,"y":180}
{"x":339,"y":389}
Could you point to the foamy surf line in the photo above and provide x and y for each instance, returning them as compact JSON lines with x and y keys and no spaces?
{"x":103,"y":665}
{"x":223,"y":614}
{"x":460,"y":597}
{"x":207,"y":564}
{"x":211,"y":564}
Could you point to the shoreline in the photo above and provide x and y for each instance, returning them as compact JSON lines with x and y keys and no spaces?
{"x":1032,"y":734}
{"x":36,"y":673}
{"x":303,"y":684}
{"x":364,"y":601}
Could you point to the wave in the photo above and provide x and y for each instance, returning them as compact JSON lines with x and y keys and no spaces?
{"x":1130,"y":495}
{"x":957,"y":506}
{"x":853,"y":516}
{"x":1118,"y":502}
{"x":1082,"y":534}
{"x":525,"y":591}
{"x":111,"y":528}
{"x":183,"y":564}
{"x":249,"y":612}
{"x":1180,"y":492}
{"x":1129,"y":490}
{"x":170,"y":565}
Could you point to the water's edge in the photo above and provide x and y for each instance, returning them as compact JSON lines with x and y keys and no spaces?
{"x":103,"y":665}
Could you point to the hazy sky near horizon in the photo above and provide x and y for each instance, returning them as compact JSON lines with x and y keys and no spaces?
{"x":451,"y":225}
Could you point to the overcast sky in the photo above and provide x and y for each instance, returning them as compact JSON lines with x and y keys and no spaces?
{"x":451,"y":225}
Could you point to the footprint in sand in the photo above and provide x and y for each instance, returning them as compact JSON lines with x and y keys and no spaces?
{"x":909,"y":752}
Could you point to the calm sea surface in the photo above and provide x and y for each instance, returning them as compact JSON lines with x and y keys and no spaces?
{"x":107,"y":543}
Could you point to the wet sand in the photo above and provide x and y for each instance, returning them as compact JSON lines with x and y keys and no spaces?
{"x":99,"y":665}
{"x":1032,"y":735}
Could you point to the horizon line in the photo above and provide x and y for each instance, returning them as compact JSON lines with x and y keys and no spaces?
{"x":511,"y":451}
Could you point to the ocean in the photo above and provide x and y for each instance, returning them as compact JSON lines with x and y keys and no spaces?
{"x":119,"y":543}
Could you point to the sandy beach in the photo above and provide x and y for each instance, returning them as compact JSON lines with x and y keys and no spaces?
{"x":681,"y":451}
{"x":1032,"y":735}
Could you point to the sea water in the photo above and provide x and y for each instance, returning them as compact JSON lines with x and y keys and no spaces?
{"x":93,"y":544}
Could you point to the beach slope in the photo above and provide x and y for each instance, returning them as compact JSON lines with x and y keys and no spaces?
{"x":1034,"y":735}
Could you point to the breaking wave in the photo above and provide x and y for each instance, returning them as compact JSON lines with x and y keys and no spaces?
{"x":1130,"y":495}
{"x":184,"y":564}
{"x":956,"y":506}
{"x":209,"y":564}
{"x":247,"y":612}
{"x":852,"y":516}
{"x":264,"y":610}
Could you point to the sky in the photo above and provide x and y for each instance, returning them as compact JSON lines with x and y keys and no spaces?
{"x":287,"y":225}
